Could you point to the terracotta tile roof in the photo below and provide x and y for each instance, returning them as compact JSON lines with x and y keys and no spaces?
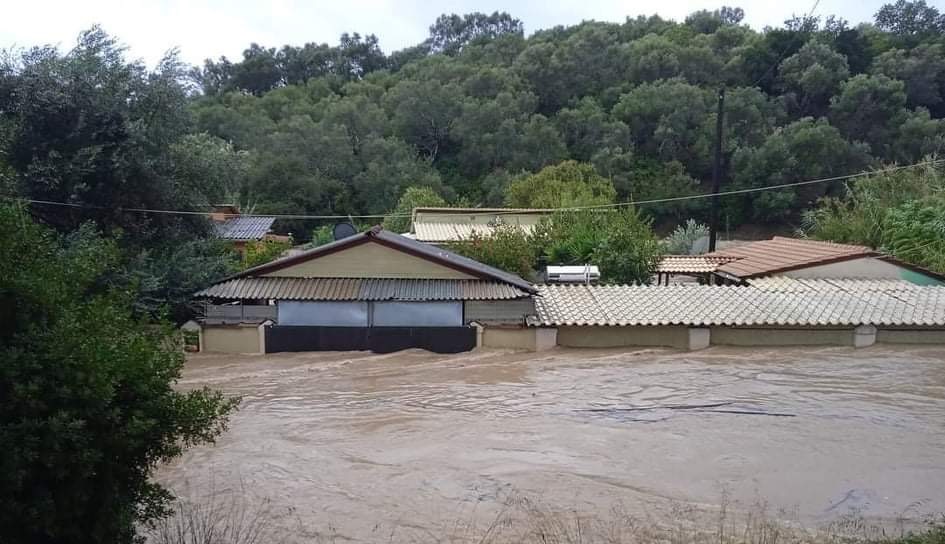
{"x":245,"y":228}
{"x":781,"y":254}
{"x":361,"y":289}
{"x":690,"y":264}
{"x":784,"y":284}
{"x":704,"y":305}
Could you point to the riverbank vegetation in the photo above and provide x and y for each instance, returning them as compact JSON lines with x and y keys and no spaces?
{"x":87,"y":408}
{"x":902,"y":212}
{"x":219,"y":519}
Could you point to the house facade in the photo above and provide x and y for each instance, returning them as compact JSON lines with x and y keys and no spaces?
{"x":792,"y":258}
{"x":239,"y":230}
{"x":375,"y":290}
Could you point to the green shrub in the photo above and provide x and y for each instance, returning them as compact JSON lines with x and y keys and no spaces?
{"x":87,"y":403}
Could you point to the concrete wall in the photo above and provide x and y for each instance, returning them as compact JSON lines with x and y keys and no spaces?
{"x":611,"y":337}
{"x":529,"y":339}
{"x":910,"y":336}
{"x":729,"y":336}
{"x":866,"y":268}
{"x":233,"y":338}
{"x":369,"y":260}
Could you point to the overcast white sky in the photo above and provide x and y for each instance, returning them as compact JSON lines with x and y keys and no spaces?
{"x":210,"y":28}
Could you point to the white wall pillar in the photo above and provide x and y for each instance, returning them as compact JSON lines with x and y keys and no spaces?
{"x":261,"y":329}
{"x":545,"y":338}
{"x":699,"y":338}
{"x":864,"y":336}
{"x":479,"y":329}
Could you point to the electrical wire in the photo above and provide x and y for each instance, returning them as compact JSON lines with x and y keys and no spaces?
{"x":494,"y":213}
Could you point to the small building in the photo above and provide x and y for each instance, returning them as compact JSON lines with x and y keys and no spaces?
{"x":768,"y":312}
{"x":448,"y":225}
{"x":792,"y":258}
{"x":375,"y":290}
{"x":239,"y":229}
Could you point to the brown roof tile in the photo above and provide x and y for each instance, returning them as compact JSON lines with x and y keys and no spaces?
{"x":781,"y":254}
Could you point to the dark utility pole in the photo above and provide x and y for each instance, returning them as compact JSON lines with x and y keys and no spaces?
{"x":716,"y":172}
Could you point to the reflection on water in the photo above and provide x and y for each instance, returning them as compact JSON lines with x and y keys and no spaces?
{"x":416,"y":441}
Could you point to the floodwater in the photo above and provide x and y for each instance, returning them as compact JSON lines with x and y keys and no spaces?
{"x":367,"y":447}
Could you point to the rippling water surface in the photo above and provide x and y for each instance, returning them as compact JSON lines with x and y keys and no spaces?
{"x":362,"y":445}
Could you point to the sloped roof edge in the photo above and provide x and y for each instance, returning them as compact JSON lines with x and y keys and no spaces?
{"x":401,"y":243}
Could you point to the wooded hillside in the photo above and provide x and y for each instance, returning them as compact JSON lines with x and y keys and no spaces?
{"x":346,"y":129}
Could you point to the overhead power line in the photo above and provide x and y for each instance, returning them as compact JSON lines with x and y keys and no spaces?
{"x":474,"y":213}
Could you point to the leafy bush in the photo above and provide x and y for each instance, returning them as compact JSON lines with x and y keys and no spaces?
{"x":413,"y":197}
{"x":621,"y":242}
{"x":688,"y":239}
{"x":858,"y":216}
{"x":567,"y":184}
{"x":508,"y":248}
{"x":915,"y":232}
{"x":263,"y":251}
{"x":901,"y":212}
{"x":87,"y":407}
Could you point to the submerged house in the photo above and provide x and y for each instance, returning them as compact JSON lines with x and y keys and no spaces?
{"x":374,"y":290}
{"x":382,"y":291}
{"x":792,"y":258}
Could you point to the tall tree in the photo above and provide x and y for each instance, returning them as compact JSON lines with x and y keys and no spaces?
{"x":87,"y":404}
{"x":563,"y":185}
{"x":451,"y":33}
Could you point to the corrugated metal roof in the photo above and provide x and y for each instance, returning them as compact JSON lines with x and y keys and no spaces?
{"x":781,"y":254}
{"x":785,"y":284}
{"x":438,"y":225}
{"x":706,"y":305}
{"x":438,"y":232}
{"x":361,"y":289}
{"x":245,"y":228}
{"x":690,"y":264}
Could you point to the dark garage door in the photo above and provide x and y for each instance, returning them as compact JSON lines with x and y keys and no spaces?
{"x":281,"y":338}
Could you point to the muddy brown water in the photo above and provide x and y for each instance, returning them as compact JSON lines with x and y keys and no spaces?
{"x":364,"y":446}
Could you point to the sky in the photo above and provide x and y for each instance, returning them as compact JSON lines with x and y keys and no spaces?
{"x":210,"y":28}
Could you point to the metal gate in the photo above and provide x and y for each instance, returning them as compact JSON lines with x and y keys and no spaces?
{"x":281,"y":338}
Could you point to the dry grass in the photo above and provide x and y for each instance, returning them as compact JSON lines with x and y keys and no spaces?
{"x":217,"y":519}
{"x":234,"y":520}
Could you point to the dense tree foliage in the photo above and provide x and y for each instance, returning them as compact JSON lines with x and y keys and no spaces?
{"x":620,"y":241}
{"x":478,"y":104}
{"x":564,"y":185}
{"x":507,"y":247}
{"x":902,"y":212}
{"x":87,"y":410}
{"x":413,"y":197}
{"x":90,"y":129}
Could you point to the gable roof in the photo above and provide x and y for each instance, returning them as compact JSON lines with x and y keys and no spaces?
{"x":781,"y":254}
{"x":245,"y":228}
{"x":400,"y":243}
{"x":402,"y":289}
{"x":690,"y":264}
